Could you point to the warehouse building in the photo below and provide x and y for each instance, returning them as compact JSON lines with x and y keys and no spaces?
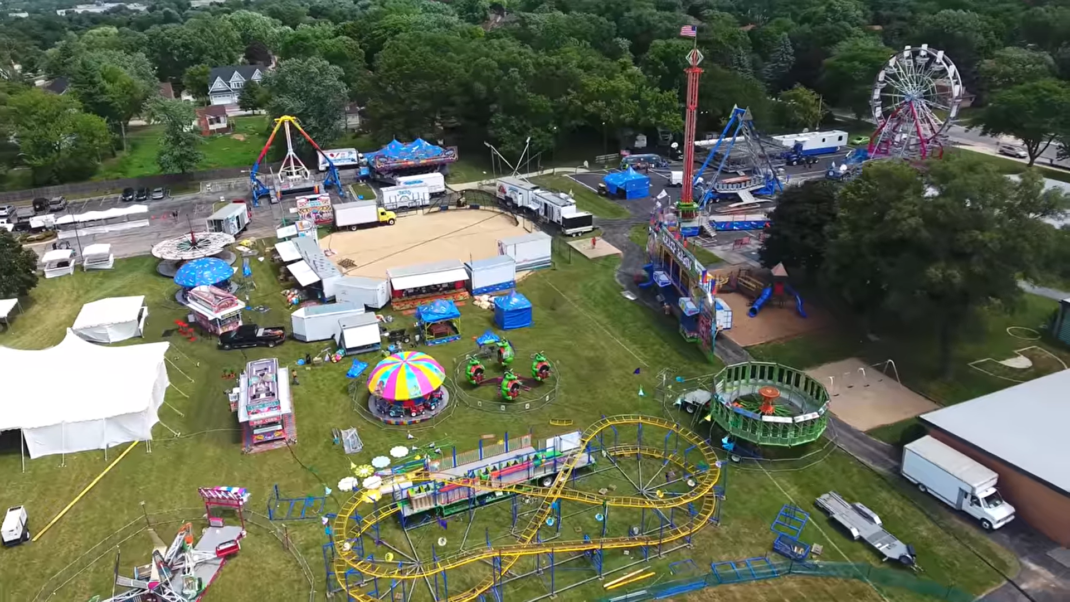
{"x":1020,"y":433}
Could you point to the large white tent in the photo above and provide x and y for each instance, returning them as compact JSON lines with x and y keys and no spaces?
{"x":111,"y":320}
{"x":78,"y":396}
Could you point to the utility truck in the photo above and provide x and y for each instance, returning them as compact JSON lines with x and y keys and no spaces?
{"x":957,"y":480}
{"x":355,"y":215}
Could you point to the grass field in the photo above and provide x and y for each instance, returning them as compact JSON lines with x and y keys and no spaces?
{"x":595,"y":337}
{"x":219,"y":151}
{"x":585,"y":199}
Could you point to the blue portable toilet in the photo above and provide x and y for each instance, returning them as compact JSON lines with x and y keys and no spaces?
{"x":512,"y":312}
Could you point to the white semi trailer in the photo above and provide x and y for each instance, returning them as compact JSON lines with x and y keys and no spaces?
{"x":957,"y":480}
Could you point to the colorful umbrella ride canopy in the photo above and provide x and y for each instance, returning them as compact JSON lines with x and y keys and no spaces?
{"x":203,"y":272}
{"x":406,"y":375}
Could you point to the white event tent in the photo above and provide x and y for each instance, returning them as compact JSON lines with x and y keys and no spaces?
{"x":78,"y":396}
{"x":112,"y":320}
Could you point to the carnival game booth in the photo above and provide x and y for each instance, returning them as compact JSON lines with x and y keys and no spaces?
{"x":97,"y":257}
{"x":265,"y":408}
{"x":628,"y":184}
{"x":415,"y":284}
{"x":684,"y":287}
{"x":58,"y":262}
{"x":320,"y":322}
{"x":438,"y":322}
{"x":491,"y":275}
{"x":529,"y":251}
{"x":359,"y":334}
{"x":512,"y":312}
{"x":397,"y":159}
{"x":406,"y":388}
{"x":78,"y":396}
{"x":214,"y":309}
{"x":112,"y":320}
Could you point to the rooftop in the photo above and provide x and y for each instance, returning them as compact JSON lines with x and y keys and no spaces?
{"x":425,"y":268}
{"x":1023,"y":426}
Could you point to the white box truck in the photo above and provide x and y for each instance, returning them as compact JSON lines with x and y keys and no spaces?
{"x":355,"y":215}
{"x":231,"y":219}
{"x":435,"y":183}
{"x":957,"y":480}
{"x":405,"y":197}
{"x":560,"y":208}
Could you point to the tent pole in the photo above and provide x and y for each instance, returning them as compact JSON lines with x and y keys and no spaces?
{"x":22,"y":448}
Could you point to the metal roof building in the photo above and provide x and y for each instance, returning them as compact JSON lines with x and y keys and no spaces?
{"x":1020,"y":433}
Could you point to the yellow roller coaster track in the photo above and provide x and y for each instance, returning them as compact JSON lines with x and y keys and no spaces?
{"x":347,"y":529}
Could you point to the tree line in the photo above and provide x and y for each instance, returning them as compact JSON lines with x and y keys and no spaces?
{"x":469,"y":71}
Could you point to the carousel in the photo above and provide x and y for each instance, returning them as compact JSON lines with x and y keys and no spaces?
{"x":406,"y":388}
{"x":173,"y":253}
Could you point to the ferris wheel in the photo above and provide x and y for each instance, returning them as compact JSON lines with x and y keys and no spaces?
{"x":915,"y":100}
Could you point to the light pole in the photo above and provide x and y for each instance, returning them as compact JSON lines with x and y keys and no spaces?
{"x":76,"y":237}
{"x":553,"y":146}
{"x":605,"y":142}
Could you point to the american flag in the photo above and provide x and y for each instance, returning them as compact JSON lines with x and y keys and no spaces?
{"x":688,"y":31}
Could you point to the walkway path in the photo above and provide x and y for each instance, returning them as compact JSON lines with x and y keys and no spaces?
{"x":1043,"y":291}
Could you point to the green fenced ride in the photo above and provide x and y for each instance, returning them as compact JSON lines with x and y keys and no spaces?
{"x":769,"y":404}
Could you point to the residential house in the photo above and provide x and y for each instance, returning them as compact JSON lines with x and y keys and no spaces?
{"x":225,"y":83}
{"x":167,"y":91}
{"x":213,"y":120}
{"x":57,"y":86}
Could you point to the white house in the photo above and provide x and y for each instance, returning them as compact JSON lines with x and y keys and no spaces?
{"x":225,"y":83}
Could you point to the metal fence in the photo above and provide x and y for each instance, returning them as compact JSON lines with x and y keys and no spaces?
{"x":876,"y":576}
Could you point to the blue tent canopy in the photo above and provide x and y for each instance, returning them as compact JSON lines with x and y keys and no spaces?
{"x":397,"y":155}
{"x":512,"y":311}
{"x":631,"y":183}
{"x":437,"y":311}
{"x":487,"y":338}
{"x":203,"y":272}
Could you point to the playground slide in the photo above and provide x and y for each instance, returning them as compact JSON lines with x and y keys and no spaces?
{"x":798,"y":300}
{"x":760,"y":301}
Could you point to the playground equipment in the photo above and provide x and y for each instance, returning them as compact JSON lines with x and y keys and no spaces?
{"x":916,"y":98}
{"x":293,"y":176}
{"x":358,"y":525}
{"x":769,"y":404}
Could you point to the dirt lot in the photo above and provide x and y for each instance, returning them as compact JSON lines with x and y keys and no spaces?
{"x":865,"y":398}
{"x":772,"y":323}
{"x":414,"y":239}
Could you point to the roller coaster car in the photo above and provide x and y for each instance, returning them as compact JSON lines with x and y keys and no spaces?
{"x":475,"y":372}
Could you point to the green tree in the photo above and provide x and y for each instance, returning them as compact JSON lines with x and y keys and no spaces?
{"x":798,"y":236}
{"x":720,"y":90}
{"x":179,"y":152}
{"x":195,"y":81}
{"x":848,"y":74}
{"x":255,"y":27}
{"x":56,"y":138}
{"x":1035,"y":113}
{"x":1012,"y":66}
{"x":254,"y":97}
{"x":965,"y":36}
{"x":18,"y":267}
{"x":800,"y":108}
{"x":665,"y":62}
{"x":472,"y":11}
{"x":113,"y":85}
{"x":321,"y":41}
{"x":779,"y":64}
{"x":929,"y":248}
{"x":200,"y":41}
{"x":319,"y":108}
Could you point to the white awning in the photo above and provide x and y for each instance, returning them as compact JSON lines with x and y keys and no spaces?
{"x":287,"y":251}
{"x":78,"y":396}
{"x":57,"y":255}
{"x":91,"y":216}
{"x":97,"y":249}
{"x":407,"y":282}
{"x":303,"y":273}
{"x":286,"y":232}
{"x":111,"y":320}
{"x":6,"y":305}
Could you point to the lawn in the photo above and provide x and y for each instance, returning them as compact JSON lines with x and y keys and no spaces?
{"x":597,"y":340}
{"x":586,"y":200}
{"x":219,"y":151}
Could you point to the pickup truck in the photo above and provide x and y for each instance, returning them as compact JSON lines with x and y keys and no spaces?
{"x":251,"y":335}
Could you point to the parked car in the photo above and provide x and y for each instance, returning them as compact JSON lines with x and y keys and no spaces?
{"x":859,"y":140}
{"x":251,"y":335}
{"x":40,"y":205}
{"x":57,"y":204}
{"x":128,"y":195}
{"x":158,"y":194}
{"x":1012,"y":150}
{"x":7,"y":212}
{"x":142,"y":194}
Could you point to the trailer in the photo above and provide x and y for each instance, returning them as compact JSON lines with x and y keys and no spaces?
{"x":366,"y":292}
{"x":530,"y":251}
{"x":491,"y":275}
{"x":517,"y":193}
{"x":435,"y":183}
{"x":231,"y":219}
{"x":957,"y":480}
{"x":362,"y":213}
{"x":863,"y":523}
{"x":320,"y":322}
{"x":359,"y":334}
{"x":405,"y":197}
{"x":814,"y":143}
{"x":560,"y":209}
